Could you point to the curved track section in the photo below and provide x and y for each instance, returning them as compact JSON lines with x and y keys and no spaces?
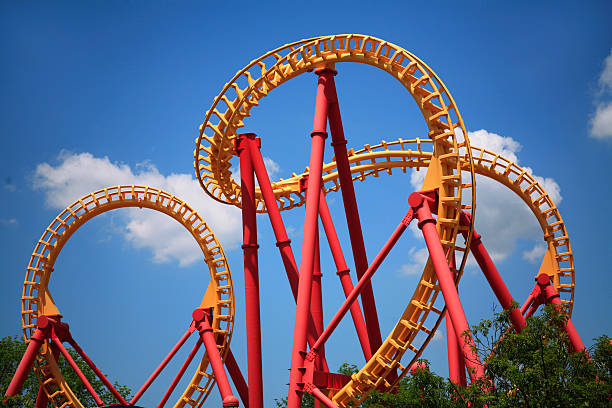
{"x":215,"y":150}
{"x":400,"y":155}
{"x":37,"y":300}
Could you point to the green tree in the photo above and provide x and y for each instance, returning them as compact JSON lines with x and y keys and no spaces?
{"x":534,"y":368}
{"x":537,"y":367}
{"x":11,"y":351}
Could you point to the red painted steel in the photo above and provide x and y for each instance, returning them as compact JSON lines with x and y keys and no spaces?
{"x":551,"y":296}
{"x":96,"y":370}
{"x":76,"y":369}
{"x":493,"y":276}
{"x":311,"y":217}
{"x":25,"y":365}
{"x":318,"y":394}
{"x":237,"y":378}
{"x":343,"y":274}
{"x":202,"y":319}
{"x":282,"y":240}
{"x":251,"y":273}
{"x":179,"y":375}
{"x":351,"y":210}
{"x":162,"y":365}
{"x":420,"y":204}
{"x":316,"y":301}
{"x":331,"y":326}
{"x":456,"y":362}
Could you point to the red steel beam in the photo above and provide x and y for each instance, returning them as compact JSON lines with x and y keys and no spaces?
{"x":162,"y":365}
{"x":307,"y":259}
{"x":282,"y":240}
{"x":25,"y":365}
{"x":420,"y":204}
{"x":493,"y":276}
{"x":456,"y":361}
{"x":251,"y":273}
{"x":551,"y":296}
{"x":237,"y":378}
{"x":351,"y":210}
{"x":202,"y":318}
{"x":96,"y":370}
{"x":358,"y":289}
{"x":343,"y":274}
{"x":179,"y":375}
{"x":76,"y":369}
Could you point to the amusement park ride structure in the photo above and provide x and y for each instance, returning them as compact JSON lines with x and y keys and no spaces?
{"x":444,"y":209}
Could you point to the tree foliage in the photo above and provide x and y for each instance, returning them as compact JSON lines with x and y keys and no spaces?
{"x":11,"y":351}
{"x":534,"y":368}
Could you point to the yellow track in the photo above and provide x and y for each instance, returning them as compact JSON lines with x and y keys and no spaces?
{"x":215,"y":150}
{"x":37,"y":301}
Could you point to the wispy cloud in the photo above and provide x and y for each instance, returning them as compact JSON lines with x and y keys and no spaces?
{"x":77,"y":174}
{"x":601,"y":121}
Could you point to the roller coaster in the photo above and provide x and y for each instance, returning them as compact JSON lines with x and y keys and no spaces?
{"x":443,"y":208}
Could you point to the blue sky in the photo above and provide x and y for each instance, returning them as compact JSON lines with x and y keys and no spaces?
{"x":113,"y":92}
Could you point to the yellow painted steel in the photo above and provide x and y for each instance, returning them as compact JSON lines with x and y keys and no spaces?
{"x":215,"y":150}
{"x":37,"y":300}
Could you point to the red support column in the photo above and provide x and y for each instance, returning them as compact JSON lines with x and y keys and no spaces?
{"x":492,"y":274}
{"x":420,"y":204}
{"x":202,"y":319}
{"x":179,"y":375}
{"x":316,"y":301}
{"x":343,"y":273}
{"x":320,"y":397}
{"x":456,"y":361}
{"x":307,"y":260}
{"x":282,"y":240}
{"x":551,"y":296}
{"x":237,"y":378}
{"x":76,"y":369}
{"x":25,"y":365}
{"x":95,"y":369}
{"x":351,"y":210}
{"x":162,"y":365}
{"x":251,"y":273}
{"x":395,"y":236}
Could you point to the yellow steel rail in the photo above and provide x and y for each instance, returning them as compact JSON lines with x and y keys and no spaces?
{"x":37,"y":300}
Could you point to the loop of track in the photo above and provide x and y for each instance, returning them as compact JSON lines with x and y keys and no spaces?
{"x":35,"y":298}
{"x":215,"y":149}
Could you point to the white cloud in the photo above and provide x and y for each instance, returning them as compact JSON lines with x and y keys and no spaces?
{"x":601,"y":123}
{"x":78,"y":174}
{"x":535,"y":254}
{"x":418,"y":257}
{"x":501,"y":216}
{"x":605,"y":79}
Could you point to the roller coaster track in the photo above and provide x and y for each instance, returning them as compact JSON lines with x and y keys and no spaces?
{"x":452,"y":154}
{"x":37,"y":300}
{"x":445,"y":155}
